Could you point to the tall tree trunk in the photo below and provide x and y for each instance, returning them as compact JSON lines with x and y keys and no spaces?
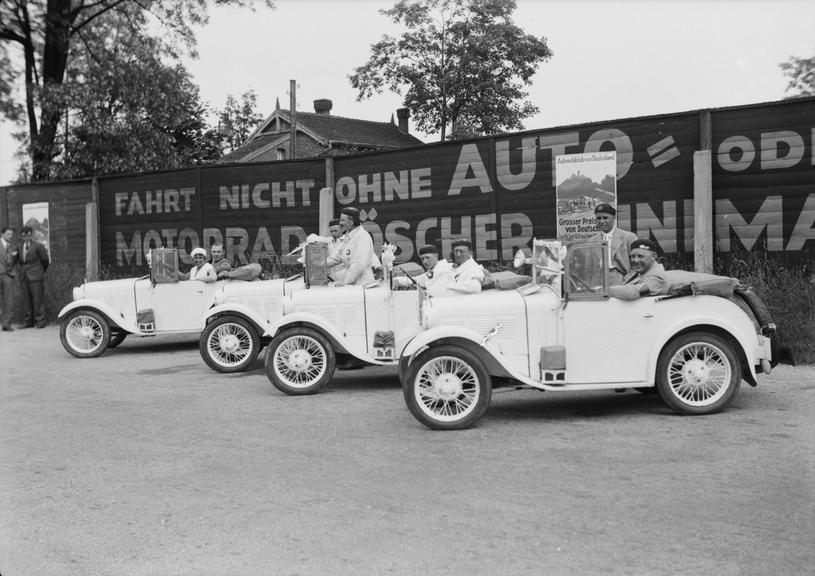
{"x":58,"y":21}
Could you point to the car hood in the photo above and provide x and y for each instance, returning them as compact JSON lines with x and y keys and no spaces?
{"x":106,"y":287}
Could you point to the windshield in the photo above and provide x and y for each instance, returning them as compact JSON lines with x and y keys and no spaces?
{"x":587,"y":271}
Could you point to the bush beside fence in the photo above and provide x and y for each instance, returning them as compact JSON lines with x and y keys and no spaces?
{"x":787,"y":287}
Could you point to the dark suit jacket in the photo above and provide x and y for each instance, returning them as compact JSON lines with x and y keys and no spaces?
{"x":8,"y":263}
{"x":35,"y":263}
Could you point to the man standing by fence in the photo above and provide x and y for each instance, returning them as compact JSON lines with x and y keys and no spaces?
{"x":8,"y":273}
{"x":34,"y":260}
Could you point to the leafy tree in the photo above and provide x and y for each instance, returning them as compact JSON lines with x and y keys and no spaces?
{"x":801,"y":75}
{"x":238,"y":119}
{"x":51,"y":33}
{"x":462,"y":63}
{"x":126,"y":110}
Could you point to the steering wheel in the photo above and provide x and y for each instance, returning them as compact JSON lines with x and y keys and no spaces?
{"x":408,"y":276}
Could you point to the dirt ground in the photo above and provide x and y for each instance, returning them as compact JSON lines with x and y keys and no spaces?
{"x":145,"y":462}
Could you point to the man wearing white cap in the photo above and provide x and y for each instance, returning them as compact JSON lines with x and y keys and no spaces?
{"x":202,"y":270}
{"x":356,"y":255}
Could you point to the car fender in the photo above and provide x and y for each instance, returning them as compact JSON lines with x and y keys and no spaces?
{"x":318,"y":323}
{"x":470,"y":339}
{"x":742,"y":331}
{"x":237,"y":310}
{"x":103,"y":309}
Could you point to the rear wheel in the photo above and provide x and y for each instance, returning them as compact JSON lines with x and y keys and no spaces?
{"x":447,"y":388}
{"x":229,"y":344}
{"x":85,"y":334}
{"x":698,"y":373}
{"x":300,"y":361}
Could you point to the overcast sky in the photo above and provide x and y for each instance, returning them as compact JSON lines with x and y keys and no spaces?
{"x":612,"y":59}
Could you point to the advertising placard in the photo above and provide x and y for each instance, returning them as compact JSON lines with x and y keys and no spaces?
{"x":582,"y":182}
{"x":35,"y":215}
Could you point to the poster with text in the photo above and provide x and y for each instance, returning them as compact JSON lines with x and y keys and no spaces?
{"x":582,"y":182}
{"x":36,"y":216}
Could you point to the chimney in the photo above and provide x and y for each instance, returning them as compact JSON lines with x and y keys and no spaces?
{"x":323,"y":106}
{"x":403,"y":114}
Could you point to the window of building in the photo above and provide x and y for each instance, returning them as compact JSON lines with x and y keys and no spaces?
{"x":280,"y":154}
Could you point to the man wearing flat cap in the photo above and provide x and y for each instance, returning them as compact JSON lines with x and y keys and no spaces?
{"x":466,"y":276}
{"x":618,"y":240}
{"x":647,"y":276}
{"x":437,"y":272}
{"x":355,"y":256}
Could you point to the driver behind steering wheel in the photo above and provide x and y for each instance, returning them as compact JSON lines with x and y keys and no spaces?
{"x":437,"y":272}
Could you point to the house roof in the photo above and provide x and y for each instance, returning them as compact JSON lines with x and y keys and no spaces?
{"x":251,"y":148}
{"x":325,"y":128}
{"x":353,"y":131}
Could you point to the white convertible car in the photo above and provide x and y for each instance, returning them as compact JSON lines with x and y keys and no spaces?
{"x":354,"y":326}
{"x":103,"y":314}
{"x":319,"y":328}
{"x":694,"y":345}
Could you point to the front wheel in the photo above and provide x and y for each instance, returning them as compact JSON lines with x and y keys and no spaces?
{"x":300,"y":361}
{"x":447,"y":388}
{"x":698,"y":373}
{"x":229,"y":344}
{"x":84,"y":333}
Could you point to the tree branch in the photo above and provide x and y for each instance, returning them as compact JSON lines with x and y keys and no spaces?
{"x":82,"y":8}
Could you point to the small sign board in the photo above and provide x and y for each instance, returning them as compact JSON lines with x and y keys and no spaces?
{"x":583,"y":181}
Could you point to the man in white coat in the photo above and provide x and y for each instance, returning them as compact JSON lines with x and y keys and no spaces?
{"x":437,"y":272}
{"x":356,"y":254}
{"x":466,"y":276}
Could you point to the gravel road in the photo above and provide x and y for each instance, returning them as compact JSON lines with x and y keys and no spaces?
{"x":145,"y":462}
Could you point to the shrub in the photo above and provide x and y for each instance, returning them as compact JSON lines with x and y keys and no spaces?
{"x":785,"y":283}
{"x":787,"y":287}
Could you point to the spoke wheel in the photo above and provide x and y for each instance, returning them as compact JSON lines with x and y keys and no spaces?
{"x":447,"y":388}
{"x":229,"y":344}
{"x":698,"y":373}
{"x":300,"y":361}
{"x":85,"y":334}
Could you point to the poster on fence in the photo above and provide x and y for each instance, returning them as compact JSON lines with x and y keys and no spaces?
{"x":582,"y":182}
{"x":35,"y":215}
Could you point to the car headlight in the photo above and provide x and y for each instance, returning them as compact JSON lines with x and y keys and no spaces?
{"x":78,"y":293}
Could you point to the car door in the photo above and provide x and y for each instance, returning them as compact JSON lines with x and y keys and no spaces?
{"x":608,"y":340}
{"x":180,"y":306}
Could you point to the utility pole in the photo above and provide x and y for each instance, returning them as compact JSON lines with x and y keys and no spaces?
{"x":293,"y":118}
